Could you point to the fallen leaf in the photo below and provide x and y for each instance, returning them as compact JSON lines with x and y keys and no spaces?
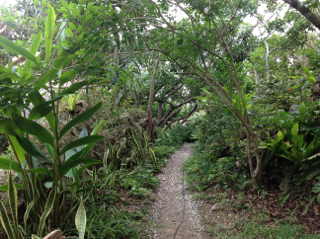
{"x":163,"y":179}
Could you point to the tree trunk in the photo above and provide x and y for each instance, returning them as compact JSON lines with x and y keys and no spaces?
{"x":306,"y":12}
{"x":159,"y":112}
{"x":150,"y":124}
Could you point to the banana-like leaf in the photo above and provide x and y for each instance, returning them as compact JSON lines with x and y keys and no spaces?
{"x":12,"y":47}
{"x":31,"y":149}
{"x":35,"y":237}
{"x":33,"y":128}
{"x":49,"y":32}
{"x":46,"y":211}
{"x":81,"y":220}
{"x":86,"y":115}
{"x":5,"y":221}
{"x":13,"y":202}
{"x":82,"y":141}
{"x":7,"y":164}
{"x":26,"y":214}
{"x":64,"y":168}
{"x":34,"y":48}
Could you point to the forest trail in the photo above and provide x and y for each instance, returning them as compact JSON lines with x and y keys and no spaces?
{"x":173,"y":205}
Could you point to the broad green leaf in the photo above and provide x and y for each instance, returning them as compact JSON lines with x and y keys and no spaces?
{"x":46,"y":211}
{"x":40,"y":171}
{"x":49,"y":32}
{"x":36,"y":41}
{"x":33,"y":128}
{"x":64,"y":168}
{"x":294,"y":130}
{"x":4,"y":188}
{"x":67,"y":76}
{"x":84,"y":116}
{"x":12,"y":47}
{"x":37,"y":99}
{"x":6,"y":163}
{"x":82,"y":141}
{"x":81,"y":220}
{"x":69,"y":32}
{"x":50,"y":150}
{"x":5,"y":221}
{"x":35,"y":237}
{"x":17,"y":147}
{"x":31,"y":149}
{"x":308,"y":174}
{"x":43,"y":109}
{"x":73,"y":88}
{"x":13,"y":202}
{"x":72,"y":26}
{"x":316,"y":188}
{"x":8,"y":127}
{"x":284,"y":198}
{"x":64,"y":3}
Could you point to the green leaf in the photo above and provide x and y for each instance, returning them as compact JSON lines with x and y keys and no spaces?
{"x":71,"y":163}
{"x":43,"y":109}
{"x":72,"y":26}
{"x":294,"y":130}
{"x":81,"y":220}
{"x":5,"y":221}
{"x":6,"y":163}
{"x":26,"y":214}
{"x":33,"y":128}
{"x":35,"y":237}
{"x":74,"y":87}
{"x":40,"y":171}
{"x":49,"y":32}
{"x":64,"y":3}
{"x":82,"y":141}
{"x":46,"y":211}
{"x":69,"y":32}
{"x":316,"y":188}
{"x":84,"y":116}
{"x":238,"y":151}
{"x":4,"y":188}
{"x":31,"y":149}
{"x":13,"y":202}
{"x":66,"y":76}
{"x":308,"y":174}
{"x":50,"y":150}
{"x":36,"y":41}
{"x":37,"y":99}
{"x":284,"y":198}
{"x":12,"y":47}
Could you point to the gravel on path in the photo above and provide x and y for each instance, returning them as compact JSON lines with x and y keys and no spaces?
{"x":172,"y":199}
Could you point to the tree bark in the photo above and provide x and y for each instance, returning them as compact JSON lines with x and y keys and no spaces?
{"x":306,"y":12}
{"x":150,"y":124}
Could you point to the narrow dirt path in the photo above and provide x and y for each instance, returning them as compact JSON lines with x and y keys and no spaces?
{"x":173,"y":207}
